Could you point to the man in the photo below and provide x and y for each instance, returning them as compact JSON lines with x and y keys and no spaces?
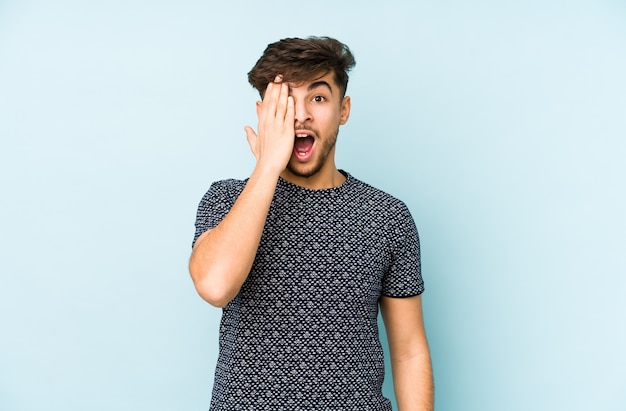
{"x":301,"y":254}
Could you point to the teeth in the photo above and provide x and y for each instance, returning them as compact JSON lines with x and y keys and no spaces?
{"x":302,"y":135}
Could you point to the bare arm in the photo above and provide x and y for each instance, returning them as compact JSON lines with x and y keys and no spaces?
{"x":222,"y":257}
{"x":410,"y":356}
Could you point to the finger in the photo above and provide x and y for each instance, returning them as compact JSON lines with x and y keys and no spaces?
{"x":281,"y":108}
{"x":291,"y":112}
{"x":272,"y":95}
{"x":264,"y":104}
{"x":272,"y":84}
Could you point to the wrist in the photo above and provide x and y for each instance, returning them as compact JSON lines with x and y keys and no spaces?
{"x":266,"y":172}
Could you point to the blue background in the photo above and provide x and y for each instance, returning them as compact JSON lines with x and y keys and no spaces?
{"x":501,"y":124}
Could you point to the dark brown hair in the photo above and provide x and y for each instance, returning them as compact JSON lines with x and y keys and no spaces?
{"x":300,"y":60}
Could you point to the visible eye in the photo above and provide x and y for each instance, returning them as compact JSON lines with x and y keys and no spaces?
{"x":319,"y":99}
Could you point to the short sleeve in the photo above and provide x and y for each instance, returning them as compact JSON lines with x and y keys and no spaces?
{"x":215,"y":204}
{"x":404,"y":277}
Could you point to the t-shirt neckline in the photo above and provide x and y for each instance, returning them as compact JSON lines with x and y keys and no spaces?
{"x":331,"y":190}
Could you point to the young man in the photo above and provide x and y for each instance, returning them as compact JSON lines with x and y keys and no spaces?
{"x":301,"y":255}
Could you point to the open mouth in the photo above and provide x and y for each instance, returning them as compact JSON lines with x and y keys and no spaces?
{"x":303,"y":144}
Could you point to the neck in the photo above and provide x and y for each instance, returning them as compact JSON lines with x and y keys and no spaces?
{"x":328,"y":178}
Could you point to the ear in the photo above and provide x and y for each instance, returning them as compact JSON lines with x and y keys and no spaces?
{"x":345,"y":110}
{"x":258,"y":108}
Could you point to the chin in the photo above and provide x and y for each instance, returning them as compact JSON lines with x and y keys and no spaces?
{"x":304,"y":170}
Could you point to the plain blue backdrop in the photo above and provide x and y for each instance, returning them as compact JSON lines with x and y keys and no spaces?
{"x":501,"y":124}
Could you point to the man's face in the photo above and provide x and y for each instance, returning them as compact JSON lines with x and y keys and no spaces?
{"x":319,"y":111}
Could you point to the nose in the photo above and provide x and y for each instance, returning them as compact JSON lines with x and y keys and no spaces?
{"x":302,"y":112}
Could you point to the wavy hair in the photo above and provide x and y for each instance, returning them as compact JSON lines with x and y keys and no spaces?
{"x":300,"y":60}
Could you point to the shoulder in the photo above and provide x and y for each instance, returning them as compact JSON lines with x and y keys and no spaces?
{"x":229,"y":184}
{"x":377,"y":200}
{"x":226,"y":188}
{"x":222,"y":194}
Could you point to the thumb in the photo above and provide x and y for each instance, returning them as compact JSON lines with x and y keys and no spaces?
{"x":251,"y":137}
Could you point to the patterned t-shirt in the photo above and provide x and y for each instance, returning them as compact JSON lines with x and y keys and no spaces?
{"x":302,"y":333}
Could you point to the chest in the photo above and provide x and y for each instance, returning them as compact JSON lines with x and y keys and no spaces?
{"x":322,"y":254}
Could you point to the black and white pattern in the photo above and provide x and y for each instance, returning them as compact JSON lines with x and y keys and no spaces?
{"x":302,"y":333}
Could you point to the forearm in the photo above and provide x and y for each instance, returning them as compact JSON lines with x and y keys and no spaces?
{"x":413,"y":382}
{"x":410,"y":356}
{"x":222,"y":257}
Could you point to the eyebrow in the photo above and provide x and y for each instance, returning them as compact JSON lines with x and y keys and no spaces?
{"x":317,"y":84}
{"x":320,"y":84}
